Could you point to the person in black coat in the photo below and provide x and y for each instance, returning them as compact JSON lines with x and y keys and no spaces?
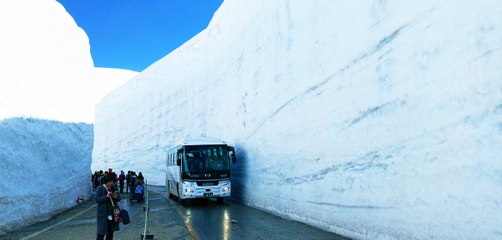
{"x":105,"y":223}
{"x":121,"y":181}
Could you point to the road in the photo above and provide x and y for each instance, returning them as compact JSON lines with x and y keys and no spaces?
{"x":169,"y":220}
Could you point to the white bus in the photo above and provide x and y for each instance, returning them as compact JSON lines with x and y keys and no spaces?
{"x":199,"y":168}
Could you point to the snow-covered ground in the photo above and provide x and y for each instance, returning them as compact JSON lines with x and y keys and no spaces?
{"x":44,"y":166}
{"x":374,"y":119}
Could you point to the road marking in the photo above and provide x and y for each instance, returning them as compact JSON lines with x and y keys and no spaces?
{"x":57,"y":224}
{"x":188,"y":225}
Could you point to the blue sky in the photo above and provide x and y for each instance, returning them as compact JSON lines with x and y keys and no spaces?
{"x":133,"y":34}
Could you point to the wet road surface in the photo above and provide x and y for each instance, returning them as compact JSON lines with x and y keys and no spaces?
{"x":169,"y":220}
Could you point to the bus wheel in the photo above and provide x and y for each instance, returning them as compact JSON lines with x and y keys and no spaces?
{"x":219,"y":200}
{"x":169,"y":190}
{"x":180,"y":201}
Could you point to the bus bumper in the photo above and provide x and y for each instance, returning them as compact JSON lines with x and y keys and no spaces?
{"x":195,"y":189}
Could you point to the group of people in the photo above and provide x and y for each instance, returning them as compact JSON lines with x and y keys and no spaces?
{"x":134,"y":183}
{"x":108,"y":186}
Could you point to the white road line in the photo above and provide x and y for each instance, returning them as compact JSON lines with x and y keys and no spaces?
{"x":57,"y":224}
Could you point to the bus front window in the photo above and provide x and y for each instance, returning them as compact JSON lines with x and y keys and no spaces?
{"x":204,"y":159}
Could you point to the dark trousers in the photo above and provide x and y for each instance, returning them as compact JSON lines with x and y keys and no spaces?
{"x":121,"y":184}
{"x":109,"y":232}
{"x":131,"y":191}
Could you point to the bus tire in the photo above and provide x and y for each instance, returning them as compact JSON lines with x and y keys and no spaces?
{"x":169,"y":190}
{"x":219,"y":200}
{"x":180,"y":201}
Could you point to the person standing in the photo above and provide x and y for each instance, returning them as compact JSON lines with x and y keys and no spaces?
{"x":128,"y":180}
{"x":105,"y":223}
{"x":139,"y":188}
{"x":140,"y":176}
{"x":94,"y":180}
{"x":121,"y":181}
{"x":132,"y":184}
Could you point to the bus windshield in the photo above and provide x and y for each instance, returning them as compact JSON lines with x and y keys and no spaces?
{"x":208,"y":158}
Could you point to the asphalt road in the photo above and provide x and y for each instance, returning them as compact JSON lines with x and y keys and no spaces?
{"x":169,"y":220}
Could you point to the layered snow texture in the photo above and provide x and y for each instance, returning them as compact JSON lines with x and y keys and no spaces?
{"x":44,"y":166}
{"x":374,"y":119}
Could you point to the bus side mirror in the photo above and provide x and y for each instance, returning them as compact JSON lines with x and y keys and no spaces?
{"x":231,"y":151}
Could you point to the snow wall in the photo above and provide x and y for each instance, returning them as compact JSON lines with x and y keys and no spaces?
{"x":46,"y":68}
{"x":46,"y":72}
{"x":44,"y":166}
{"x":373,"y":119}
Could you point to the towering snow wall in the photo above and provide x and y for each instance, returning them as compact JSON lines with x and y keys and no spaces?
{"x":46,"y":71}
{"x":46,"y":68}
{"x":109,"y":79}
{"x":374,"y":119}
{"x":44,"y":166}
{"x":45,"y":63}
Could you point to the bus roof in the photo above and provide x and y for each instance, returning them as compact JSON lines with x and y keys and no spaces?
{"x":202,"y":141}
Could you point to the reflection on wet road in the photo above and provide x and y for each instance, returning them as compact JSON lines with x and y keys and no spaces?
{"x":205,"y":219}
{"x":200,"y":219}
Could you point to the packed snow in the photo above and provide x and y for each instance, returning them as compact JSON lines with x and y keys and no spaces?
{"x":45,"y":165}
{"x":46,"y":72}
{"x":109,"y":79}
{"x":374,"y":120}
{"x":46,"y":65}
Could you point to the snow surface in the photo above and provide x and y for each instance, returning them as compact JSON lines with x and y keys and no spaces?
{"x":375,"y":119}
{"x":44,"y":166}
{"x":46,"y":66}
{"x":45,"y":63}
{"x":109,"y":79}
{"x":46,"y":71}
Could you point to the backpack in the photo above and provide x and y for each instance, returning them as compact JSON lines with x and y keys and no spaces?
{"x":139,"y":189}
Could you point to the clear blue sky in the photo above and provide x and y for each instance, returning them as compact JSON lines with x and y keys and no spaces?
{"x":133,"y":34}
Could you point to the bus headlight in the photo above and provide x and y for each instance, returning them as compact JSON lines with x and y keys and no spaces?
{"x":226,"y":189}
{"x":188,"y":190}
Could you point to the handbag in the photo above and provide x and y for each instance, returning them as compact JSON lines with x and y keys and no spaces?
{"x":120,"y":215}
{"x":124,"y":215}
{"x":116,"y":212}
